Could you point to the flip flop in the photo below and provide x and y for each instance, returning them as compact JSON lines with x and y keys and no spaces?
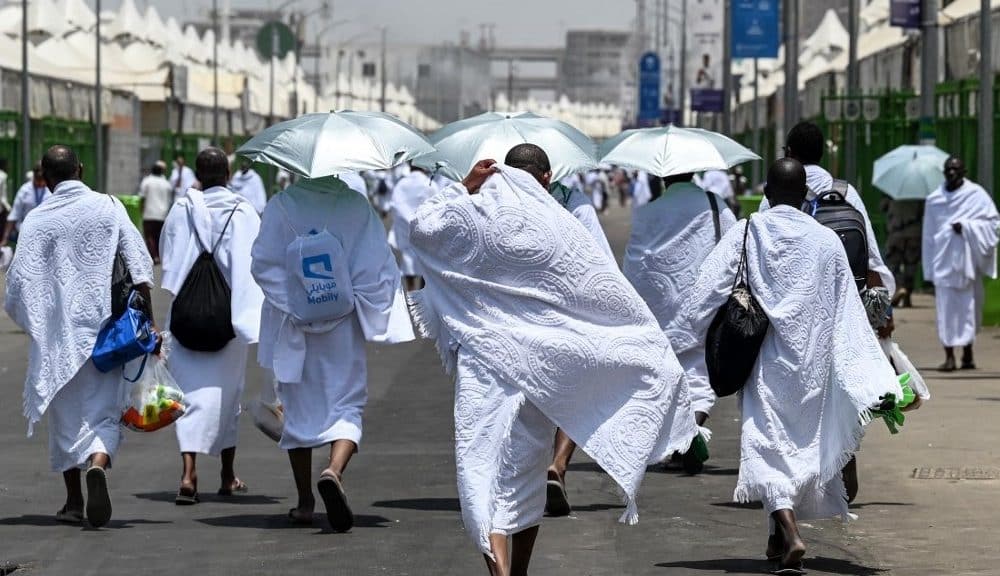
{"x":556,"y":502}
{"x":298,"y":518}
{"x":186,"y":497}
{"x":69,"y":516}
{"x":240,"y":488}
{"x":338,"y":512}
{"x":98,"y":498}
{"x":968,"y":366}
{"x":796,"y":570}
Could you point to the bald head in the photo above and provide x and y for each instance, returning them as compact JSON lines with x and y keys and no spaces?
{"x":532,"y":160}
{"x":212,"y":168}
{"x":60,"y":164}
{"x":786,"y":183}
{"x":954,"y":173}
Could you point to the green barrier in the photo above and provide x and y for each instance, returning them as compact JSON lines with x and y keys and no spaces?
{"x":749,"y":204}
{"x":133,"y":205}
{"x":991,"y":307}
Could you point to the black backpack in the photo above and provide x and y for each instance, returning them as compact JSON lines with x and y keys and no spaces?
{"x":832,"y":210}
{"x":201,"y":317}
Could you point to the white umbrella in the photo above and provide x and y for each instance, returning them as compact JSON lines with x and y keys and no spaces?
{"x":910,"y":172}
{"x":670,"y":150}
{"x":492,"y":134}
{"x":323,"y":144}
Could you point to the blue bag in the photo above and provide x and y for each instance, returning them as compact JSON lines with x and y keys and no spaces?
{"x":124,"y":339}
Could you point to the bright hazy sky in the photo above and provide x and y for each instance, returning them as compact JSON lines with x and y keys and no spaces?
{"x":518,"y":22}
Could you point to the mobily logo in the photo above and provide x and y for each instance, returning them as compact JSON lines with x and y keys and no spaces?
{"x":312,"y":264}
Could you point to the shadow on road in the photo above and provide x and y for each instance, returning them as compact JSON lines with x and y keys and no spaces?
{"x":819,"y":564}
{"x":740,"y":505}
{"x":725,"y":565}
{"x":679,"y":471}
{"x":281,"y":522}
{"x":426,"y":504}
{"x":877,"y":504}
{"x":255,"y":499}
{"x":41,"y":520}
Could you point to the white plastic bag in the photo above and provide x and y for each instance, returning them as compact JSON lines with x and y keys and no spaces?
{"x":154,"y":401}
{"x":268,"y":416}
{"x":904,"y":365}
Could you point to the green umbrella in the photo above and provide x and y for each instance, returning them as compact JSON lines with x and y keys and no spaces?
{"x":910,"y":172}
{"x":323,"y":144}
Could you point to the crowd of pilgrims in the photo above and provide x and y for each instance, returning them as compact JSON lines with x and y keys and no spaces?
{"x":552,"y":345}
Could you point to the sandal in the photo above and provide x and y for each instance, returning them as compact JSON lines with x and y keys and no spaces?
{"x":186,"y":497}
{"x":338,"y":512}
{"x":236,"y":487}
{"x":98,"y":498}
{"x":69,"y":516}
{"x":300,"y":518}
{"x":556,"y":502}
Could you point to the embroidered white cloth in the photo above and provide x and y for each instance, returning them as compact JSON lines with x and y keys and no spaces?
{"x":819,"y":180}
{"x":521,"y":291}
{"x":323,"y":376}
{"x":59,"y":284}
{"x":408,"y":194}
{"x":820,"y":367}
{"x":250,"y":185}
{"x":956,"y":263}
{"x":671,"y":237}
{"x":213,"y":382}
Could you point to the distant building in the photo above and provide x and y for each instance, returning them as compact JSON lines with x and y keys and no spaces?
{"x":453,"y":82}
{"x":595,"y":67}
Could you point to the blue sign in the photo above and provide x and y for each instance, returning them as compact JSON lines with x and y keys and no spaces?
{"x":755,"y":28}
{"x":649,"y":89}
{"x":905,"y":13}
{"x":707,"y":100}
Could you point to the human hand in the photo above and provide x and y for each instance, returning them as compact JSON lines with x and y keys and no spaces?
{"x":957,"y":227}
{"x":887,"y":330}
{"x":479,"y":174}
{"x":159,"y":342}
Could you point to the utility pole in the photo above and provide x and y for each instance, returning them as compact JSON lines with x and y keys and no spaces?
{"x":98,"y":126}
{"x":510,"y":84}
{"x":25,"y":97}
{"x":928,"y":76}
{"x":853,"y":86}
{"x":985,"y":160}
{"x":274,"y":54}
{"x":756,"y":120}
{"x":791,"y":35}
{"x":684,"y":64}
{"x":382,"y":74}
{"x":215,"y":73}
{"x":727,"y":67}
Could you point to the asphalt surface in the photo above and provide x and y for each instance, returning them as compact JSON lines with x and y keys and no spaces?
{"x":402,"y":488}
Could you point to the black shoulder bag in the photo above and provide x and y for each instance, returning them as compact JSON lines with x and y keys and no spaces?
{"x":735,"y":336}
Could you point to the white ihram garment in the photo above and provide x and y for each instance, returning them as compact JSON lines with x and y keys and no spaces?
{"x":323,"y":375}
{"x":59,"y":292}
{"x":820,"y":367}
{"x":956,"y":263}
{"x":408,"y":194}
{"x":538,"y":321}
{"x":819,"y":180}
{"x":213,"y":382}
{"x":671,"y":237}
{"x":250,"y":185}
{"x":584,"y":211}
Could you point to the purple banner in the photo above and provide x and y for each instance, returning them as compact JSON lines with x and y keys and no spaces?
{"x":905,"y":13}
{"x":707,"y":100}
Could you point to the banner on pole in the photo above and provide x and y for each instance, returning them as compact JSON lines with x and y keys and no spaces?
{"x":704,"y":54}
{"x":649,"y":89}
{"x":905,"y":13}
{"x":755,"y":28}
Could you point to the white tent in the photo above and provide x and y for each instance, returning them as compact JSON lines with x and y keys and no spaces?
{"x":128,"y":23}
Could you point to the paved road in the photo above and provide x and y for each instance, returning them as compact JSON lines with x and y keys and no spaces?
{"x":402,"y":486}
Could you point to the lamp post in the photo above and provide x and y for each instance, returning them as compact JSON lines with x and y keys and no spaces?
{"x":319,"y":52}
{"x":25,"y":104}
{"x":985,"y":148}
{"x":215,"y":73}
{"x":98,"y":127}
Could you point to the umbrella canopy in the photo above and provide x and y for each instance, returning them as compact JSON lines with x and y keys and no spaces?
{"x":492,"y":134}
{"x":670,"y":150}
{"x":323,"y":144}
{"x":910,"y":172}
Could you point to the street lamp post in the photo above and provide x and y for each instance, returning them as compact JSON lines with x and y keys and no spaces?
{"x":985,"y":148}
{"x":215,"y":73}
{"x":928,"y":76}
{"x":98,"y":126}
{"x":25,"y":104}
